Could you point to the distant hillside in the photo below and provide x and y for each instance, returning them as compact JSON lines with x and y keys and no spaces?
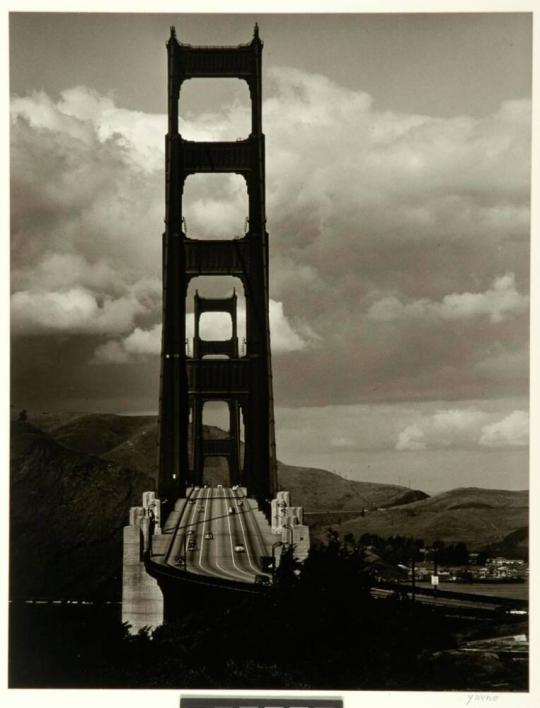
{"x":514,"y":545}
{"x":73,"y":481}
{"x":131,"y":441}
{"x":479,"y":517}
{"x":68,"y":509}
{"x":323,"y":491}
{"x":95,"y":433}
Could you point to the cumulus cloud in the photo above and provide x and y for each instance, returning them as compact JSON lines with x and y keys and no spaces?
{"x":142,"y":343}
{"x":401,"y":240}
{"x":512,"y":431}
{"x":86,"y":115}
{"x":75,"y":311}
{"x":412,"y":438}
{"x":465,"y":428}
{"x":498,"y":302}
{"x":139,"y":343}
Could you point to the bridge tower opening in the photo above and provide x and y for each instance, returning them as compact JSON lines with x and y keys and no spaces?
{"x":216,"y":370}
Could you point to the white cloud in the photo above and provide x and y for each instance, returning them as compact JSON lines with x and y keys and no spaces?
{"x":512,"y":431}
{"x":57,"y":271}
{"x":86,"y":115}
{"x":497,"y":303}
{"x":142,"y":343}
{"x":76,"y":311}
{"x":111,"y":352}
{"x":412,"y":438}
{"x":418,"y":217}
{"x":465,"y":428}
{"x":139,"y":343}
{"x":284,"y":336}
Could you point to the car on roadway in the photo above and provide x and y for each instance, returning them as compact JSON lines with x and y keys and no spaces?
{"x":262,"y":579}
{"x":191,"y":501}
{"x":231,"y":510}
{"x":220,"y":486}
{"x":201,"y":508}
{"x":239,"y":548}
{"x":192,"y":546}
{"x":208,"y":535}
{"x":190,"y":532}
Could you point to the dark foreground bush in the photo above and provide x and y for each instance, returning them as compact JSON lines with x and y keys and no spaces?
{"x":323,"y":630}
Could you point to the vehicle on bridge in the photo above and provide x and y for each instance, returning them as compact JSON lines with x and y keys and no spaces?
{"x":231,"y":510}
{"x":208,"y":536}
{"x":262,"y":580}
{"x":192,"y":546}
{"x":239,"y":548}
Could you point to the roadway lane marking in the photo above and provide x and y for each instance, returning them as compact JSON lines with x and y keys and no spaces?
{"x":206,"y":570}
{"x":252,"y":521}
{"x":204,"y":527}
{"x":220,"y":533}
{"x":247,"y":546}
{"x":243,"y":572}
{"x":179,"y":536}
{"x":190,"y":524}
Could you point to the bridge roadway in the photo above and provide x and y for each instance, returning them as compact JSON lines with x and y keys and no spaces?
{"x":208,"y":540}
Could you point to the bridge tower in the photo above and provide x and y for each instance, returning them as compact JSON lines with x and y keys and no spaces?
{"x":243,"y":382}
{"x":229,"y":447}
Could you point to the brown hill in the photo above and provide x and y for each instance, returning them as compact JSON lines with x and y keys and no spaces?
{"x":478,"y":517}
{"x":95,"y":434}
{"x":323,"y":493}
{"x":131,"y":441}
{"x":72,"y":484}
{"x":68,"y":509}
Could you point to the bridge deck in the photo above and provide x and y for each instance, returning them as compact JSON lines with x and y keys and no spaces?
{"x":206,"y":511}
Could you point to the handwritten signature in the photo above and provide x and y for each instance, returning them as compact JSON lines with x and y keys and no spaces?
{"x":484,"y":697}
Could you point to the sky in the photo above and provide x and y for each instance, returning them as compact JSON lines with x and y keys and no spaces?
{"x":398,"y":205}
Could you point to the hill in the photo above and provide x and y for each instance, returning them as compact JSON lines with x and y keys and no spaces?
{"x":95,"y":434}
{"x":73,"y":481}
{"x":74,"y":477}
{"x":131,"y":441}
{"x":68,"y":509}
{"x":478,"y":517}
{"x":323,"y":493}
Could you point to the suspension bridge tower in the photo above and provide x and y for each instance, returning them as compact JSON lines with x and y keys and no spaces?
{"x":189,"y":380}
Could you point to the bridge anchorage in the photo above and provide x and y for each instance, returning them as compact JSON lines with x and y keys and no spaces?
{"x":224,"y":536}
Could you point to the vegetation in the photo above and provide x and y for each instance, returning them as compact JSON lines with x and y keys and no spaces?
{"x":320,"y":629}
{"x":404,"y":549}
{"x":477,"y":517}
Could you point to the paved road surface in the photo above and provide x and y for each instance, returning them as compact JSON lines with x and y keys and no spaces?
{"x":217,"y":556}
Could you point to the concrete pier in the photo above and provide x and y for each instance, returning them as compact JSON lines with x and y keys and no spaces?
{"x":142,"y":600}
